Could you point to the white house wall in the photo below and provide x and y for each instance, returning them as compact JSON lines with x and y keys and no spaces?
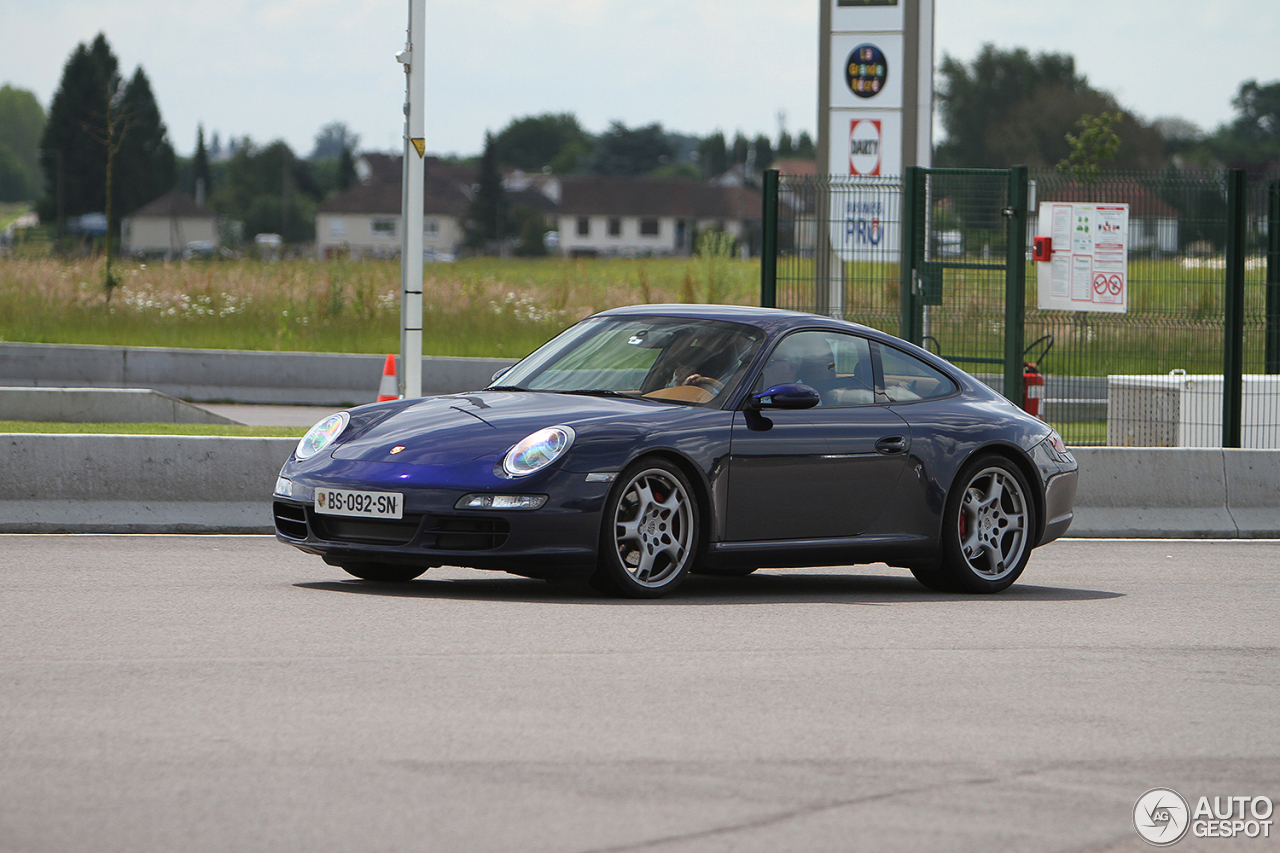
{"x":143,"y":234}
{"x":629,"y":242}
{"x":354,"y":232}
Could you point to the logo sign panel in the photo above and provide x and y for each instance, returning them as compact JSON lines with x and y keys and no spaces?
{"x":866,"y":71}
{"x":865,"y":146}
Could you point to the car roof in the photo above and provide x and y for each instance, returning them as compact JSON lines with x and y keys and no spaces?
{"x":765,"y":318}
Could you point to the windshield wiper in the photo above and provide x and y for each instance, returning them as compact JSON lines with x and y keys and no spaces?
{"x":597,"y":392}
{"x":505,"y":388}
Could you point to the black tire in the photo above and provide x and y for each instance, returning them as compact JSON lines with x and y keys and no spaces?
{"x":648,"y":533}
{"x":932,"y":576}
{"x":988,"y":529}
{"x":385,"y":572}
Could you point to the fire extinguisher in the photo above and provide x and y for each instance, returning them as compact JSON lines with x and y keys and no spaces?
{"x":1032,"y":378}
{"x":1032,"y":389}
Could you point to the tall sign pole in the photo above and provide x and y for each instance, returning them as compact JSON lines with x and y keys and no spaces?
{"x":876,"y":85}
{"x":411,"y":212}
{"x":875,"y":119}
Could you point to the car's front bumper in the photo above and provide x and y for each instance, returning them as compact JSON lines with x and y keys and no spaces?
{"x":558,"y":538}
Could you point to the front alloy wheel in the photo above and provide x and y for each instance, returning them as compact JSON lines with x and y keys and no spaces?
{"x":649,"y":533}
{"x":988,"y":527}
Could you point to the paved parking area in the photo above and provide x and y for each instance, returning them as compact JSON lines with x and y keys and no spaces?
{"x":231,"y":693}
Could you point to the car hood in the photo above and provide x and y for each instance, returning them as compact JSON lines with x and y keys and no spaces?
{"x":463,"y":427}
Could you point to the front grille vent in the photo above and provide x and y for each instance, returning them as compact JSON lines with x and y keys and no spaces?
{"x":458,"y":533}
{"x":291,"y":520}
{"x":379,"y":531}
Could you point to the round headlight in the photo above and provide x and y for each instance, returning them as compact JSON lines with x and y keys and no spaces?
{"x":537,"y":451}
{"x":321,"y":435}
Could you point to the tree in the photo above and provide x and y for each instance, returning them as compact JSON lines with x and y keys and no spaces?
{"x":1095,"y":143}
{"x":713,"y":153}
{"x":346,"y":170}
{"x":22,"y":122}
{"x":15,"y":179}
{"x":621,"y":151}
{"x":92,"y":112}
{"x":488,"y":221}
{"x":75,"y":164}
{"x":551,"y":140}
{"x":203,"y":177}
{"x":333,"y":139}
{"x":1259,"y":111}
{"x":147,"y":164}
{"x":975,"y":99}
{"x":762,"y":153}
{"x":1011,"y":108}
{"x":270,"y":190}
{"x":805,"y":146}
{"x":1252,"y":140}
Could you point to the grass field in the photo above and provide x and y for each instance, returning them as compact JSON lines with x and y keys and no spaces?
{"x":476,"y":307}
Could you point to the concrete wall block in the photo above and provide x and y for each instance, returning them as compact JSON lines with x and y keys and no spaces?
{"x":147,"y":469}
{"x":1150,"y":477}
{"x":321,"y":379}
{"x":100,"y":405}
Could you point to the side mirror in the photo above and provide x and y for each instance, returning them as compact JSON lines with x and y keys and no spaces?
{"x":496,"y":376}
{"x":789,"y":395}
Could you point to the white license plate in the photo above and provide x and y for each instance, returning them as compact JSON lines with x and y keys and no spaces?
{"x":360,"y":504}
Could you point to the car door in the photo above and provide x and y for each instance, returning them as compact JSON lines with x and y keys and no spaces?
{"x":820,"y":472}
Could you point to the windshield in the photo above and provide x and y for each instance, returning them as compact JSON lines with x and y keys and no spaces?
{"x":661,"y":358}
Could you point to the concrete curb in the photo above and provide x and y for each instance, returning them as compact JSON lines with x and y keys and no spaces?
{"x":281,"y":378}
{"x":210,"y":484}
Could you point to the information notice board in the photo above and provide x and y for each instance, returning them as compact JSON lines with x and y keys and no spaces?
{"x":1087,"y":268}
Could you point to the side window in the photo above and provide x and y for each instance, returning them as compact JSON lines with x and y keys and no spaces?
{"x":907,"y":378}
{"x":836,"y":365}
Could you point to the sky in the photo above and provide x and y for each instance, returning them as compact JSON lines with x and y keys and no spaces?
{"x":282,"y":69}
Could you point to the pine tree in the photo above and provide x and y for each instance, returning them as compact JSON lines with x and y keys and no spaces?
{"x":74,"y":163}
{"x":200,"y":168}
{"x":147,"y":166}
{"x":94,"y":118}
{"x":488,"y":222}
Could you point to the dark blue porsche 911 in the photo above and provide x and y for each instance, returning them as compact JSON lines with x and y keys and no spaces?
{"x":649,"y":442}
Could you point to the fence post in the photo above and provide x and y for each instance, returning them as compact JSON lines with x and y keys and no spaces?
{"x":769,"y":241}
{"x":1233,"y":326}
{"x":1015,"y":289}
{"x":1271,"y":360}
{"x":910,"y":307}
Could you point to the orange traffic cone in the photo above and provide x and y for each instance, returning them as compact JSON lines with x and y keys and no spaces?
{"x":388,"y":389}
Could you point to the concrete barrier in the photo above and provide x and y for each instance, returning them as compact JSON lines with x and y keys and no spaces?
{"x":101,"y":405}
{"x":1172,"y":492}
{"x":286,"y":378}
{"x":197,"y":484}
{"x":138,"y":484}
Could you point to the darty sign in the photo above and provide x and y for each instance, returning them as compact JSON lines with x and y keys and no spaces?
{"x":864,"y":146}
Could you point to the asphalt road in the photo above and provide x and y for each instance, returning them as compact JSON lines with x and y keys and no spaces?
{"x":231,"y":694}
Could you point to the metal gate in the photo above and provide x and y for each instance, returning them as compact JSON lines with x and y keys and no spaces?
{"x":935,"y":257}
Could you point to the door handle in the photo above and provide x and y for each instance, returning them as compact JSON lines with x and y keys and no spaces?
{"x":891,"y":444}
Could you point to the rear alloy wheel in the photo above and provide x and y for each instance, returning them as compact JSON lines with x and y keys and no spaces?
{"x":987,"y":528}
{"x":649,"y":532}
{"x":386,"y":572}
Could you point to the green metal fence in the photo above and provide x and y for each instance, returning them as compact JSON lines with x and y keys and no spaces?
{"x":940,"y":257}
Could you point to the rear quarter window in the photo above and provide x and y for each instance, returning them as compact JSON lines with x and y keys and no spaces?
{"x":907,"y":378}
